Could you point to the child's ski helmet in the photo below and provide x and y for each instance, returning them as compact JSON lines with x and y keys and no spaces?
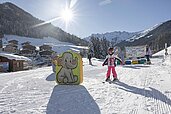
{"x":110,"y":49}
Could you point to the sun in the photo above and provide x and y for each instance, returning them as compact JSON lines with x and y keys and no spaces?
{"x":67,"y":15}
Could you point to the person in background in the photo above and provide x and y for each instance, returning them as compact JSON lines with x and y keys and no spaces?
{"x":166,"y":53}
{"x":54,"y":58}
{"x":148,"y":54}
{"x":90,"y":55}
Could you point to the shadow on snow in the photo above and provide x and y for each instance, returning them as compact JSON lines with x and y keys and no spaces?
{"x":135,"y":66}
{"x":51,"y":77}
{"x":71,"y":99}
{"x":152,"y":93}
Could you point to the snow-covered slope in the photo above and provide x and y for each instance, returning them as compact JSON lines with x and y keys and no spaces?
{"x":56,"y":45}
{"x":142,"y":33}
{"x":162,"y":52}
{"x":116,"y":36}
{"x":166,"y":59}
{"x":142,"y":89}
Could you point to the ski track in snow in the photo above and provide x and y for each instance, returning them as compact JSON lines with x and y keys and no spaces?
{"x":141,"y":89}
{"x":21,"y":92}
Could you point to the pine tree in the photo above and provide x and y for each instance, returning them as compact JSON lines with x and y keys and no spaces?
{"x":104,"y":46}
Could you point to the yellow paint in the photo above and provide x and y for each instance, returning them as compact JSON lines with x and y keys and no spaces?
{"x":77,"y":72}
{"x":135,"y":62}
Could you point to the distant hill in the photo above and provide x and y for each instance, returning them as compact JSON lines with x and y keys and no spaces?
{"x":155,"y":37}
{"x":15,"y":21}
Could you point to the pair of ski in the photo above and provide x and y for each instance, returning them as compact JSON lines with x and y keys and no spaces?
{"x":110,"y":81}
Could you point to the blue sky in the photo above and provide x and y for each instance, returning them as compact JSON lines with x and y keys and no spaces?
{"x":100,"y":16}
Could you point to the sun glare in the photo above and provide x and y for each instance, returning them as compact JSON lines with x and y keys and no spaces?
{"x":67,"y":15}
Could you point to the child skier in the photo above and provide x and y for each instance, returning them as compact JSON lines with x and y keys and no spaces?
{"x":110,"y":61}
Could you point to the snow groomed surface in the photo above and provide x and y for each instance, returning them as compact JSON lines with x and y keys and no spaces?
{"x":142,"y":89}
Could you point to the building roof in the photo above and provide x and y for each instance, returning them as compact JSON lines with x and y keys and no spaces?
{"x":13,"y":41}
{"x":46,"y":52}
{"x":30,"y":47}
{"x":15,"y":57}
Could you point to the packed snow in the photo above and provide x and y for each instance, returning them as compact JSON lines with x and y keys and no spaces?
{"x":141,"y":89}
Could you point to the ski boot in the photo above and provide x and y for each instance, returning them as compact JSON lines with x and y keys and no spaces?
{"x":107,"y":79}
{"x":115,"y":79}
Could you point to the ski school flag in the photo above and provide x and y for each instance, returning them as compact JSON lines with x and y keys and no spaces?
{"x":69,"y":68}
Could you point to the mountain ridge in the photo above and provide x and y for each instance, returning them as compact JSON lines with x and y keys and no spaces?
{"x":115,"y":37}
{"x":15,"y":21}
{"x":156,"y":38}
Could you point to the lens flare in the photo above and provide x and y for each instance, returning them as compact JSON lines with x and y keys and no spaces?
{"x":67,"y":15}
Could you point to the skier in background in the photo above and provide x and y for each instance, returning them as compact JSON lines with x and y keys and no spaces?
{"x":110,"y":61}
{"x":148,"y":54}
{"x":166,"y":53}
{"x":90,"y":55}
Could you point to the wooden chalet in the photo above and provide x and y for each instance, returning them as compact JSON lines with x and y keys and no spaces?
{"x":45,"y":47}
{"x":12,"y":63}
{"x":11,"y":48}
{"x":13,"y":42}
{"x":25,"y":43}
{"x":29,"y":47}
{"x":45,"y":53}
{"x":28,"y":50}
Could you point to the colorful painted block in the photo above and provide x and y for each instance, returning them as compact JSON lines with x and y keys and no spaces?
{"x":135,"y":62}
{"x":141,"y":61}
{"x":118,"y":62}
{"x":128,"y":62}
{"x":69,"y":68}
